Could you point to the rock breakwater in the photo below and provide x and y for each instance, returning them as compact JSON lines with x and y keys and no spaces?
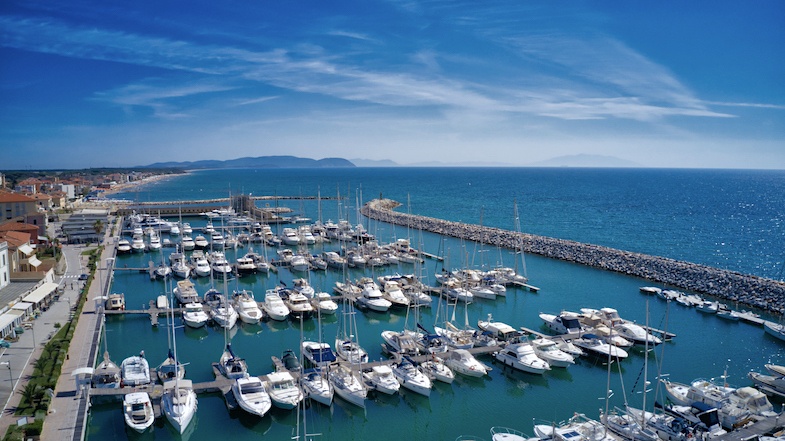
{"x":758,"y":292}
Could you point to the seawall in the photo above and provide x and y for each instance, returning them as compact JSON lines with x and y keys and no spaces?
{"x":732,"y":286}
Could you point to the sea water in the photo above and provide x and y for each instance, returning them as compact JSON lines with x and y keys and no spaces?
{"x":728,"y":219}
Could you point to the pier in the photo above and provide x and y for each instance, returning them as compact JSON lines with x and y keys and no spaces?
{"x":732,"y":286}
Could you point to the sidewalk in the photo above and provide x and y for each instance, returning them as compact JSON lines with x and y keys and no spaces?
{"x":68,"y":410}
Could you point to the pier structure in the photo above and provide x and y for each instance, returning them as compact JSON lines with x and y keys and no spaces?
{"x":732,"y":286}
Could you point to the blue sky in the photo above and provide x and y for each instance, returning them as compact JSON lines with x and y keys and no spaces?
{"x":662,"y":84}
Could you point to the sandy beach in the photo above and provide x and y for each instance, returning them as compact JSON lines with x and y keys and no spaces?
{"x":129,"y":186}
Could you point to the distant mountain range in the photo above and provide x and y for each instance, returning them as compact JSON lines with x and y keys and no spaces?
{"x":257,"y":162}
{"x":582,"y":160}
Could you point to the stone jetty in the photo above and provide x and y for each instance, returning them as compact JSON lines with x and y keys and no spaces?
{"x":732,"y":286}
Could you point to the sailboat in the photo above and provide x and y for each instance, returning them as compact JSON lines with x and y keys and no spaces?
{"x":107,"y":373}
{"x":179,"y":399}
{"x":169,"y":368}
{"x":346,"y":345}
{"x":229,"y":364}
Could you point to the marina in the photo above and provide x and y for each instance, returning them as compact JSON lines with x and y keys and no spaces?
{"x":519,"y":307}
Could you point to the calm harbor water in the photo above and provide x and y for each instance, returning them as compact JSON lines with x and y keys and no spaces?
{"x":728,"y":219}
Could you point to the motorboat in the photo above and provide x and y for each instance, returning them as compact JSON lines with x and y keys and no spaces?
{"x":624,"y":328}
{"x":200,"y":242}
{"x":298,"y":305}
{"x":247,"y":308}
{"x":578,"y":428}
{"x":123,"y":246}
{"x":137,"y":243}
{"x":394,"y":294}
{"x":179,"y":267}
{"x":700,"y":424}
{"x":186,"y":228}
{"x":306,"y":235}
{"x":549,"y":351}
{"x":610,"y":336}
{"x":463,"y":362}
{"x":318,"y":354}
{"x":650,"y":290}
{"x":776,"y":330}
{"x":274,"y":306}
{"x":194,"y":315}
{"x":155,"y":242}
{"x":138,"y":411}
{"x":290,"y":237}
{"x":162,"y":302}
{"x":500,"y":331}
{"x":347,"y":385}
{"x":135,"y":370}
{"x":179,"y":403}
{"x":569,"y":347}
{"x":453,"y":291}
{"x":317,"y":387}
{"x":371,"y":297}
{"x":324,"y":304}
{"x":770,"y":384}
{"x":221,"y":311}
{"x":188,"y":243}
{"x":303,"y":287}
{"x":411,"y":378}
{"x":436,"y":369}
{"x":115,"y":302}
{"x":499,"y":433}
{"x":334,"y":260}
{"x":381,"y":379}
{"x":521,"y":356}
{"x":245,"y":265}
{"x":185,"y":292}
{"x":592,"y":344}
{"x":230,"y":365}
{"x":168,"y":369}
{"x":564,"y":323}
{"x":251,"y":395}
{"x":403,"y":342}
{"x":283,"y":390}
{"x":201,"y":264}
{"x":219,"y":264}
{"x":217,"y":240}
{"x":708,"y":307}
{"x":299,"y":263}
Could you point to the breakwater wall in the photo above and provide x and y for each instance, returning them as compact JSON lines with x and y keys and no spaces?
{"x":758,"y":292}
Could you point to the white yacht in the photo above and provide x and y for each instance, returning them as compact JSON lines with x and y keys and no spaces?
{"x":246,"y":307}
{"x":201,"y":264}
{"x":626,"y":329}
{"x":155,"y":242}
{"x":246,"y":265}
{"x":346,"y":385}
{"x":303,"y":287}
{"x":123,"y":246}
{"x":578,"y":427}
{"x":217,"y":240}
{"x":221,"y":311}
{"x":411,"y":378}
{"x":564,"y":323}
{"x":382,"y":379}
{"x":135,"y":370}
{"x":324,"y":304}
{"x":437,"y":370}
{"x":283,"y":390}
{"x":186,"y":229}
{"x":138,"y":411}
{"x":289,"y":236}
{"x":251,"y":395}
{"x":521,"y":356}
{"x":179,"y":403}
{"x":200,"y":242}
{"x":188,"y":243}
{"x":464,"y":363}
{"x":371,"y":297}
{"x":317,"y":387}
{"x":318,"y":354}
{"x":499,"y":330}
{"x":773,"y":384}
{"x":592,"y":344}
{"x":549,"y":351}
{"x":299,"y":263}
{"x":403,"y":342}
{"x":137,"y":244}
{"x":298,"y":305}
{"x":394,"y":294}
{"x":174,"y":229}
{"x":179,"y":267}
{"x":306,"y":235}
{"x":274,"y":306}
{"x":334,"y":260}
{"x":219,"y":264}
{"x":194,"y":315}
{"x":185,"y":291}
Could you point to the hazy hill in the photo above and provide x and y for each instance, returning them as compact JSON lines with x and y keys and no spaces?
{"x":257,"y":162}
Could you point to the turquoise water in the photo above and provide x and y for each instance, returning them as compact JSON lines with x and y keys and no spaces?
{"x":730,"y":219}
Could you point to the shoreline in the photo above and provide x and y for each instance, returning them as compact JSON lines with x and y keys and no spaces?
{"x":129,"y":186}
{"x":732,"y":286}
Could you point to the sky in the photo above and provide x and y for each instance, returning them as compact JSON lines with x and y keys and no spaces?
{"x":660,"y":84}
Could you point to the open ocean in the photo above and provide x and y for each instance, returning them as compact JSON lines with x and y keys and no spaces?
{"x":732,"y":219}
